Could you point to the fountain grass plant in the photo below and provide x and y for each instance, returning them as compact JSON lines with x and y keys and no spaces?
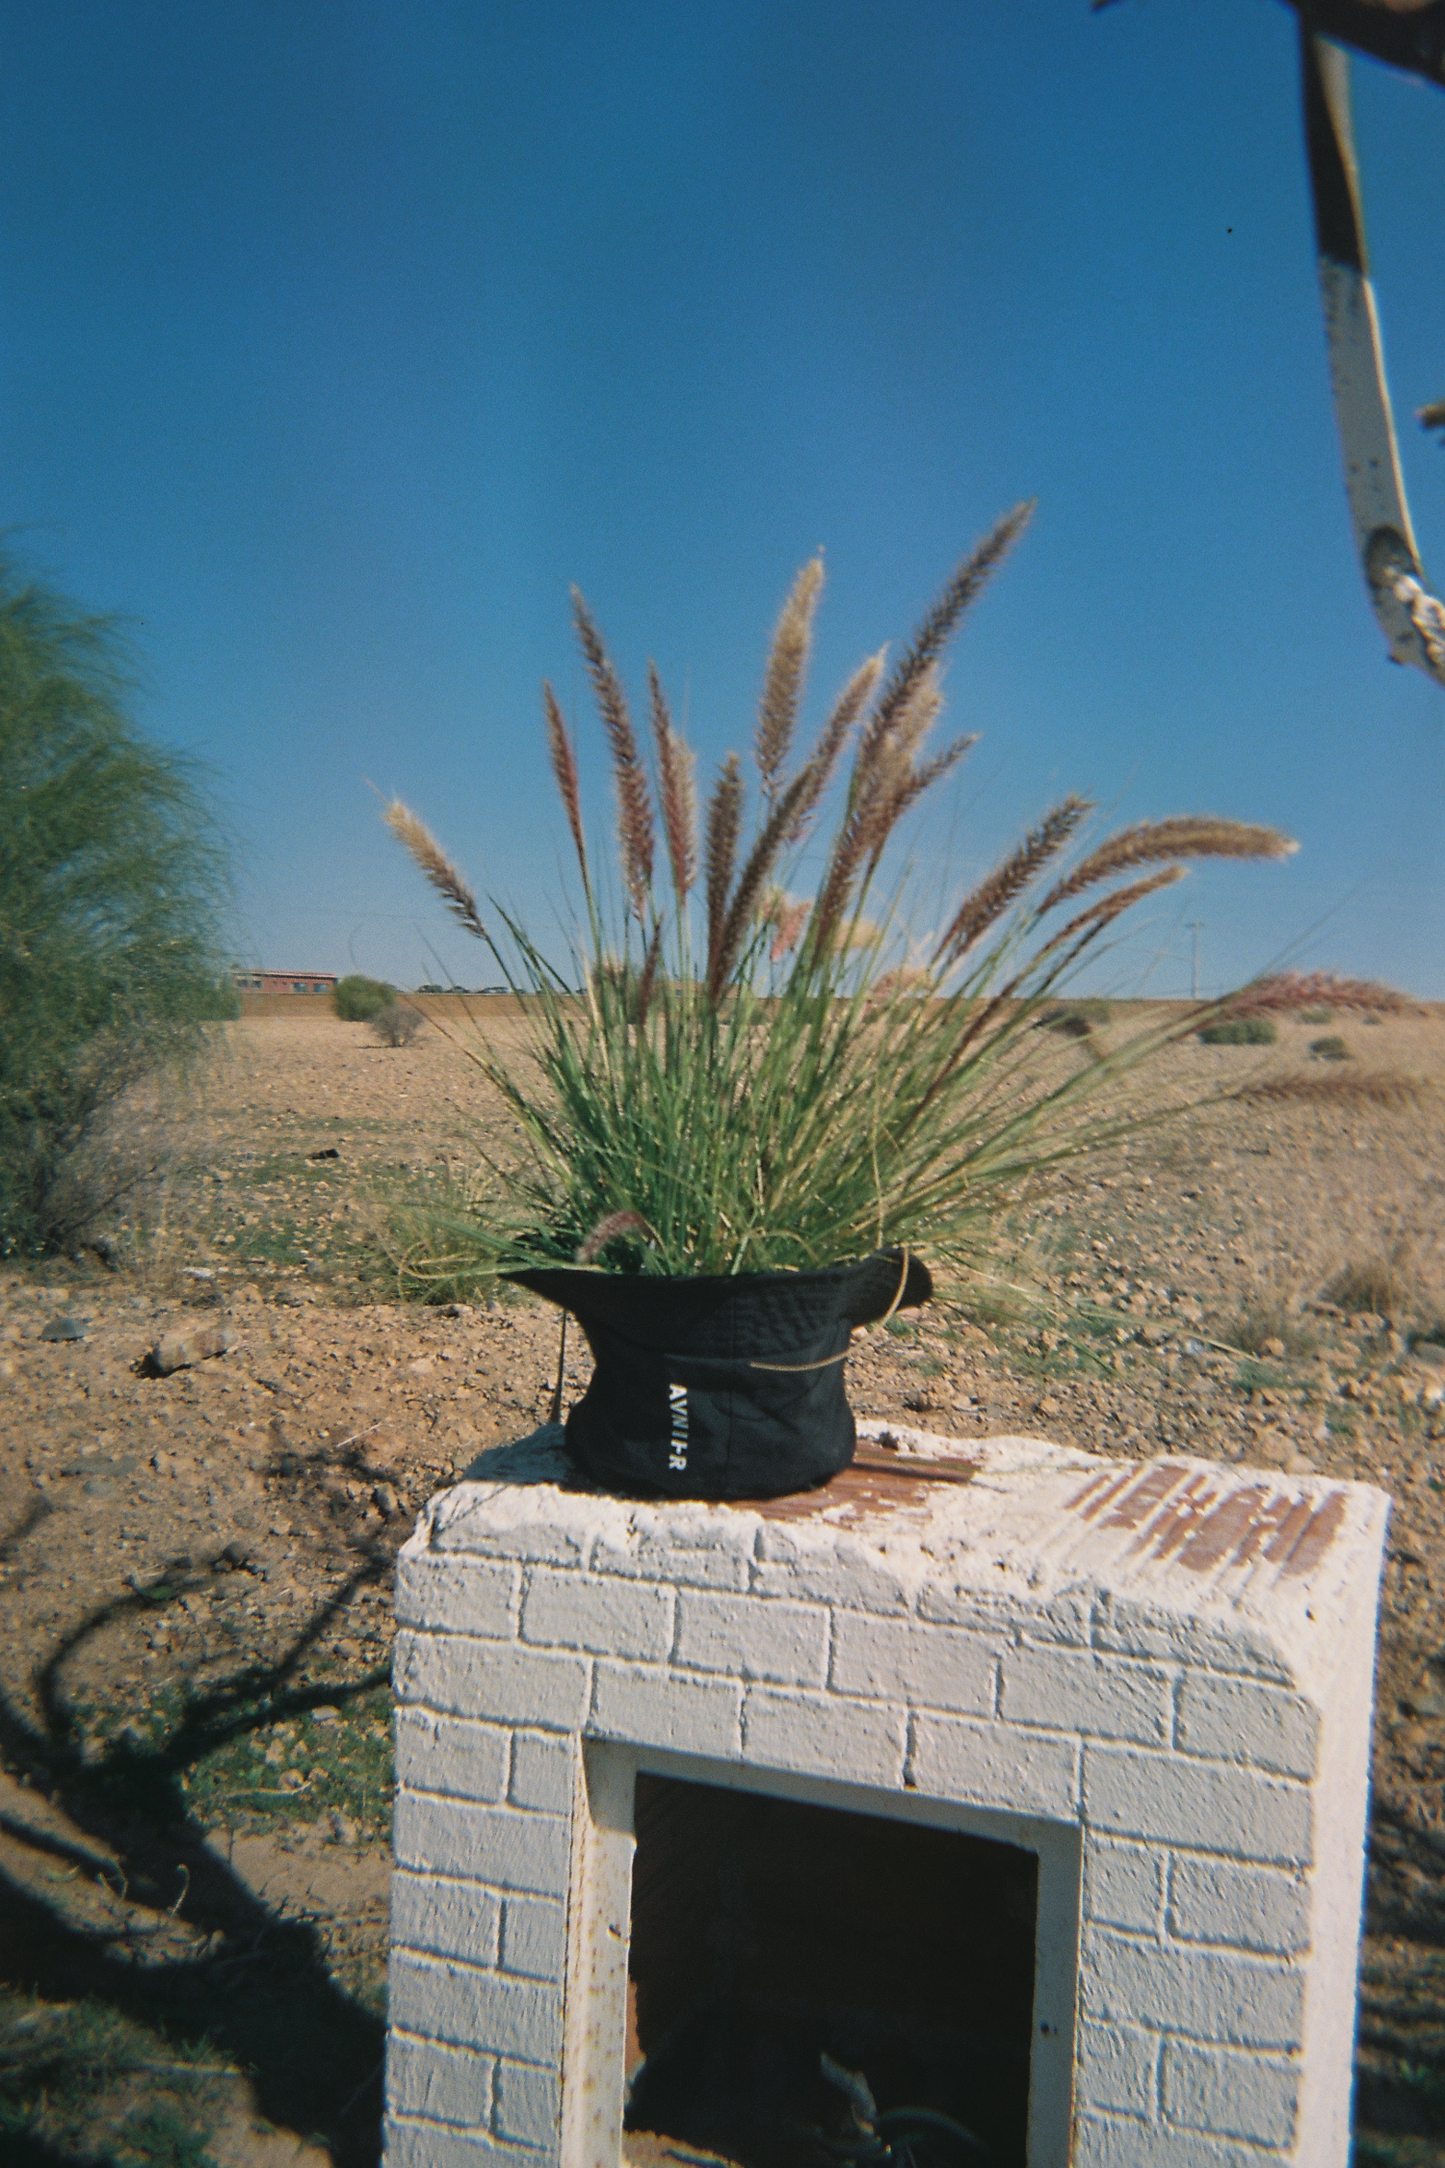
{"x":747,"y":1081}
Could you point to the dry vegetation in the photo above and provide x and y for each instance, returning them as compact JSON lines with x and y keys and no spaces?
{"x":193,"y":1566}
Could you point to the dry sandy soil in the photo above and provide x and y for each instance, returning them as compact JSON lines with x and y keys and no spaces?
{"x":195,"y":1568}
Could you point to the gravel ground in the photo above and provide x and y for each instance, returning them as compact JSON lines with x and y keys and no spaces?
{"x":1264,"y":1284}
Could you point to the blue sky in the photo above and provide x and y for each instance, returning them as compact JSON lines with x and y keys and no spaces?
{"x":336,"y":341}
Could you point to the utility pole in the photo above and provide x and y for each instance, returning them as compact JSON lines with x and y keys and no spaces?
{"x":1194,"y":925}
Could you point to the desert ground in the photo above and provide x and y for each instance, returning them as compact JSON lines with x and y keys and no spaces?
{"x":195,"y":1567}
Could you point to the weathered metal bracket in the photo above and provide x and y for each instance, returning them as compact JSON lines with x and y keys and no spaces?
{"x":1411,"y":617}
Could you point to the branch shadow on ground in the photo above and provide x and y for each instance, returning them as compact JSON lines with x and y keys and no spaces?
{"x":248,"y":1981}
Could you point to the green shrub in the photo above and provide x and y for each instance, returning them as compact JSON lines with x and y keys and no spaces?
{"x":112,"y":881}
{"x":1331,"y":1048}
{"x":1240,"y":1031}
{"x":219,"y":1003}
{"x":358,"y":999}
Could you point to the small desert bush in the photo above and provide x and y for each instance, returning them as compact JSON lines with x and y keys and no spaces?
{"x":1331,"y":1048}
{"x":1240,"y":1031}
{"x":1076,"y":1019}
{"x":112,"y":885}
{"x":1270,"y":1324}
{"x":754,"y":1078}
{"x":1369,"y":1285}
{"x":397,"y":1024}
{"x":358,"y":999}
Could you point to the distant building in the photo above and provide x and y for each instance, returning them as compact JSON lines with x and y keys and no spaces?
{"x":284,"y":982}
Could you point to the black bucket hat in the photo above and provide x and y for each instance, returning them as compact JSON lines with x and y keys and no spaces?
{"x":727,"y":1386}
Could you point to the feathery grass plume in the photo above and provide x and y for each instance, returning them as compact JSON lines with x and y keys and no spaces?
{"x":1096,"y":916}
{"x":986,"y":904}
{"x":789,"y":919}
{"x":676,"y":789}
{"x":834,"y":735}
{"x":754,"y":1117}
{"x":724,"y":822}
{"x":862,"y":827}
{"x":564,"y":768}
{"x":1283,"y":991}
{"x":906,"y":783}
{"x":634,"y":806}
{"x":1147,"y":842}
{"x":1384,"y":1089}
{"x":752,"y":887}
{"x":445,"y":878}
{"x":783,"y":684}
{"x":647,"y":977}
{"x":938,"y":625}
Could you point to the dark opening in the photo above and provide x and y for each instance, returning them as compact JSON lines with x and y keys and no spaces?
{"x":766,"y":1933}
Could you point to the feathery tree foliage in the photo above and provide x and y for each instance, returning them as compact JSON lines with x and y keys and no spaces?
{"x":112,"y":881}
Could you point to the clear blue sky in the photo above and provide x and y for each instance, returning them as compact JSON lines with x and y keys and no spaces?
{"x":339,"y":338}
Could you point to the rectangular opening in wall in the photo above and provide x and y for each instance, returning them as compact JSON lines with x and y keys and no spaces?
{"x":768,"y":1934}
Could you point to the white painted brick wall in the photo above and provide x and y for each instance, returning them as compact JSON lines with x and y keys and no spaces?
{"x":529,"y":2100}
{"x":1236,"y":2000}
{"x":1245,"y":1908}
{"x":1118,"y":2069}
{"x":929,"y":1667}
{"x":446,"y":1754}
{"x":448,"y":1836}
{"x":1124,"y":1885}
{"x":445,"y":1917}
{"x":491,"y":1679}
{"x":457,"y":1595}
{"x":989,"y":1654}
{"x":675,"y":1710}
{"x":1201,"y":1804}
{"x":448,"y":2085}
{"x":543,"y":1771}
{"x":1238,"y":1721}
{"x":599,"y":1612}
{"x":786,"y":1643}
{"x":467,"y":2007}
{"x":1230,"y":2095}
{"x":1099,"y":1698}
{"x":823,"y":1735}
{"x":1024,"y":1772}
{"x":533,"y":1938}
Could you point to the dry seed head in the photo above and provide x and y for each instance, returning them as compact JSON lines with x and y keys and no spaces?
{"x":752,"y":886}
{"x":1193,"y":836}
{"x":988,"y":902}
{"x":1098,"y":915}
{"x":648,"y":977}
{"x":564,"y":768}
{"x":724,"y":819}
{"x":634,"y":806}
{"x":940,"y":622}
{"x":676,"y":789}
{"x":427,"y":853}
{"x":607,"y":1230}
{"x":832,"y":738}
{"x":1283,"y":991}
{"x":783,"y":683}
{"x":1382,"y":1090}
